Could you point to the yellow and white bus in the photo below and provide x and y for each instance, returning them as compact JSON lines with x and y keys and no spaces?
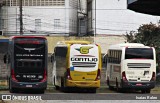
{"x":76,"y":64}
{"x":131,"y":66}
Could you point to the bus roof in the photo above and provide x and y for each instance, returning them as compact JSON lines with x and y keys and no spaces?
{"x":120,"y":46}
{"x":72,"y":42}
{"x":13,"y":37}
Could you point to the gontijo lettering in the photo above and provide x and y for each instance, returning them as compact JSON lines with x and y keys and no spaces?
{"x":84,"y":59}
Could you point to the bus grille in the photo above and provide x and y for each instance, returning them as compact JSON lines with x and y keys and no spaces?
{"x":83,"y":64}
{"x":139,"y":65}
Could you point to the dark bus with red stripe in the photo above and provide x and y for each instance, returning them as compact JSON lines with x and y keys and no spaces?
{"x":27,"y":61}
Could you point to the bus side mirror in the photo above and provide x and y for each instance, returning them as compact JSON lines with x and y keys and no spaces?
{"x":52,"y":57}
{"x":6,"y":58}
{"x":104,"y":59}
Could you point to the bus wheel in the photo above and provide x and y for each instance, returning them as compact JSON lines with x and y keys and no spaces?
{"x":111,"y":87}
{"x":92,"y":90}
{"x":41,"y":91}
{"x":13,"y":90}
{"x":56,"y":87}
{"x":62,"y":85}
{"x":143,"y":91}
{"x":117,"y":88}
{"x":148,"y":91}
{"x":107,"y":81}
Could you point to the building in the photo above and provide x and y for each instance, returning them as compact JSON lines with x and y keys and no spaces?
{"x":111,"y":17}
{"x":144,"y":6}
{"x":40,"y":17}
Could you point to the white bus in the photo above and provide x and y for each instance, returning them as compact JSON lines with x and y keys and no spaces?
{"x":76,"y":64}
{"x":131,"y":66}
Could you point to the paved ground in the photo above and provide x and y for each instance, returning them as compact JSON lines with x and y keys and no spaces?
{"x":101,"y":96}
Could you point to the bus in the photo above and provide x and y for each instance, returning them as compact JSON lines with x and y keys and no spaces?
{"x":131,"y":66}
{"x":76,"y":64}
{"x":26,"y":60}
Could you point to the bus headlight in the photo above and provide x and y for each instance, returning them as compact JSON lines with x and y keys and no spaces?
{"x":40,"y":77}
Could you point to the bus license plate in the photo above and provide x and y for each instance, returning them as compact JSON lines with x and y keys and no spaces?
{"x":28,"y":85}
{"x":138,"y":84}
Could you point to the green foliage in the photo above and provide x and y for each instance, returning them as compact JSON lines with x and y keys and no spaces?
{"x":148,"y":34}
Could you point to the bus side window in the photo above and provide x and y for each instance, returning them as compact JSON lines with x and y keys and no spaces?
{"x":61,"y":51}
{"x":110,"y":56}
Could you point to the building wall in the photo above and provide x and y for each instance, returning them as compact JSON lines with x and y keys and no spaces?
{"x":42,"y":18}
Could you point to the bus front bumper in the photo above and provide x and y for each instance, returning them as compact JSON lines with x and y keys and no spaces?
{"x":138,"y":85}
{"x":83,"y":84}
{"x":28,"y":85}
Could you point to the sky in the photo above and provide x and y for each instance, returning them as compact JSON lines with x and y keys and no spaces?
{"x":113,"y":17}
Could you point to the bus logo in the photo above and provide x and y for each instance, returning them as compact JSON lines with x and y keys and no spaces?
{"x":84,"y":49}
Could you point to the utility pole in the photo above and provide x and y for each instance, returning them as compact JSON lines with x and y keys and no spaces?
{"x":95,"y":23}
{"x":79,"y":22}
{"x":21,"y":17}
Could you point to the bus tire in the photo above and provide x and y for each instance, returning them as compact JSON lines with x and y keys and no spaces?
{"x":92,"y":90}
{"x":143,"y":91}
{"x":111,"y":87}
{"x":107,"y":81}
{"x":56,"y":87}
{"x":42,"y":91}
{"x":117,"y":88}
{"x":148,"y":91}
{"x":54,"y":81}
{"x":63,"y":89}
{"x":11,"y":90}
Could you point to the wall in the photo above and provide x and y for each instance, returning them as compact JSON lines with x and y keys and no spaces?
{"x":47,"y":14}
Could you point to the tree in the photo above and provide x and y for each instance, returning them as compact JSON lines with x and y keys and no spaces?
{"x":148,"y":34}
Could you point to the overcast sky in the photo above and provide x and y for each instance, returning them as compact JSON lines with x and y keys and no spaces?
{"x":114,"y":15}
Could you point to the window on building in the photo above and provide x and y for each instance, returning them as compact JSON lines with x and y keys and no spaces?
{"x":37,"y":24}
{"x":56,"y":23}
{"x":36,"y":2}
{"x":2,"y":24}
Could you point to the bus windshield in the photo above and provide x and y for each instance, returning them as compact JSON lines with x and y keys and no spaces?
{"x":29,"y":55}
{"x":139,"y":53}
